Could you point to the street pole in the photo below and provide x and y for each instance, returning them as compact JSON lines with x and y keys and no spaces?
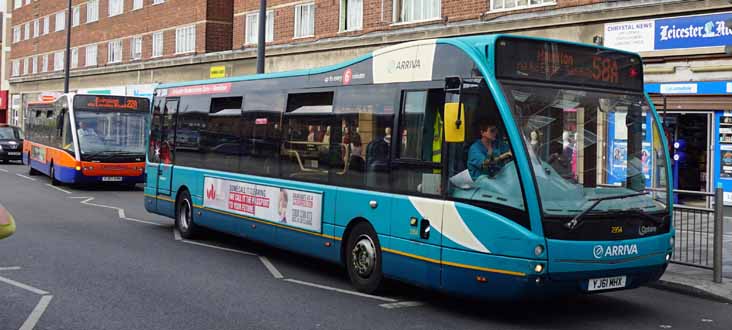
{"x":718,"y":244}
{"x":261,"y":35}
{"x":67,"y":54}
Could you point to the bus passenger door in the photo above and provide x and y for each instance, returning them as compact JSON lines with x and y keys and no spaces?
{"x":167,"y":155}
{"x":417,"y":211}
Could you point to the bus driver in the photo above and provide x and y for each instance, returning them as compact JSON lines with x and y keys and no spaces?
{"x":487,"y":155}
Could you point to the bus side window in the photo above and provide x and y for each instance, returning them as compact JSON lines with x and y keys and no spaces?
{"x":67,"y":137}
{"x":366,"y":117}
{"x":309,"y":121}
{"x":418,"y":169}
{"x":192,"y":120}
{"x":261,"y":133}
{"x":221,"y":138}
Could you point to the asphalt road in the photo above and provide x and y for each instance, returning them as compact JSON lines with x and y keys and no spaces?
{"x":94,"y":259}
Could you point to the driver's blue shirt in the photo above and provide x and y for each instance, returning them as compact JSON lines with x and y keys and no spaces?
{"x":478,"y":153}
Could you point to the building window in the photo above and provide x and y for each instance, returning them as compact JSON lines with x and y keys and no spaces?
{"x":17,"y":4}
{"x":36,"y":28}
{"x":76,"y":16}
{"x":136,"y":4}
{"x":16,"y":68}
{"x":157,"y":44}
{"x":252,"y":26}
{"x":46,"y":24}
{"x":157,"y":2}
{"x":185,"y":39}
{"x":60,"y":21}
{"x":58,"y":61}
{"x":116,"y":7}
{"x":92,"y":11}
{"x":136,"y":48}
{"x":91,"y":55}
{"x":304,"y":20}
{"x":44,"y":63}
{"x":518,"y":4}
{"x":26,"y":64}
{"x":417,"y":10}
{"x":74,"y":58}
{"x":16,"y":34}
{"x":114,"y":51}
{"x":26,"y":31}
{"x":34,"y":65}
{"x":351,"y":15}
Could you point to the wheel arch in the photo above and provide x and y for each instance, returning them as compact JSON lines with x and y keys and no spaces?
{"x":347,"y":233}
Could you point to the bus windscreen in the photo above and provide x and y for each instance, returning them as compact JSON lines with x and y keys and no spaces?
{"x":554,"y":62}
{"x":115,"y":103}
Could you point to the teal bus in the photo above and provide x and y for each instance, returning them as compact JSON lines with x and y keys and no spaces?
{"x":492,"y":166}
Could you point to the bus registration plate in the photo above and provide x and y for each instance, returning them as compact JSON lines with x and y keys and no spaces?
{"x":112,"y":178}
{"x":606,"y":283}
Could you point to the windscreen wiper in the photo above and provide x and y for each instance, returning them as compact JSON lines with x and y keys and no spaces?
{"x":572,"y":224}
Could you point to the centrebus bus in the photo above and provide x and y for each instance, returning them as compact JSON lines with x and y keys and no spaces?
{"x":87,"y":139}
{"x":493,"y":166}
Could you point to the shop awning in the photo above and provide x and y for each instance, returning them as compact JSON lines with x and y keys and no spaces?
{"x":691,"y":102}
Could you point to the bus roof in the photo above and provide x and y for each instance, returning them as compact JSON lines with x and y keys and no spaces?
{"x":464,"y":42}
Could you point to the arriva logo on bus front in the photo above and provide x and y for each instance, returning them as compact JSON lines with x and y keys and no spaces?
{"x":614,"y":250}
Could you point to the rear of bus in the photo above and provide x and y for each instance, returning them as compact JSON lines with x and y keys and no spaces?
{"x":109,"y":133}
{"x":599,"y":160}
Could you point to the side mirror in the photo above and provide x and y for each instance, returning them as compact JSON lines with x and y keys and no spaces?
{"x":454,"y":127}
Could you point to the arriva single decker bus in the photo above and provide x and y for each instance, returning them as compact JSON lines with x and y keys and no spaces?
{"x":87,"y":139}
{"x":492,"y":166}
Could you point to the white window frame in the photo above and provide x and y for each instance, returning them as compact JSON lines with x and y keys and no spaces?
{"x":17,"y":4}
{"x":74,"y":57}
{"x":16,"y":34}
{"x":351,"y":15}
{"x":76,"y":16}
{"x":26,"y":31}
{"x":251,"y":22}
{"x":185,"y":39}
{"x":92,"y":53}
{"x":157,"y":2}
{"x":34,"y":64}
{"x":137,"y":4}
{"x":136,"y":48}
{"x":46,"y":25}
{"x":26,"y":64}
{"x":301,"y":23}
{"x":114,"y":51}
{"x":44,"y":63}
{"x":508,"y":5}
{"x":92,"y":11}
{"x":36,"y":28}
{"x":158,"y":44}
{"x":58,"y":61}
{"x":60,"y":21}
{"x":15,"y":71}
{"x":414,"y":11}
{"x":116,"y":7}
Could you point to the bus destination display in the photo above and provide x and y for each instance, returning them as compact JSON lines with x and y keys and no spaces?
{"x":94,"y":102}
{"x":561,"y":63}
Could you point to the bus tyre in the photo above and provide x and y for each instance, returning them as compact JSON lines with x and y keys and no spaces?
{"x":54,"y":181}
{"x":363,"y":258}
{"x":184,"y":216}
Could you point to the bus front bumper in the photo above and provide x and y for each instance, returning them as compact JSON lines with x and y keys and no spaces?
{"x":71,"y":175}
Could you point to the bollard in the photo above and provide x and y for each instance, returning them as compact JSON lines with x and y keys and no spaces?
{"x":718,"y":233}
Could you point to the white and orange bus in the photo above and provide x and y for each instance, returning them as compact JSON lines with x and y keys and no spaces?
{"x":87,"y":139}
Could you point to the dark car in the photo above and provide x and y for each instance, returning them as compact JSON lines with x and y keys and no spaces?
{"x":11,"y":143}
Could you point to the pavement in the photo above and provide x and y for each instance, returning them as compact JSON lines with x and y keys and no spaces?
{"x":695,"y":281}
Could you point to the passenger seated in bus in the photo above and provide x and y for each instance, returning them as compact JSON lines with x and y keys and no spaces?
{"x":487,"y":155}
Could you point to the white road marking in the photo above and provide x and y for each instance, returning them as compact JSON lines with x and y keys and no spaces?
{"x":3,"y":170}
{"x":219,"y":247}
{"x":144,"y":221}
{"x":665,"y":326}
{"x":176,"y":234}
{"x":401,"y":304}
{"x":272,"y":269}
{"x":25,"y":177}
{"x":23,"y":286}
{"x":120,"y":211}
{"x":707,"y":320}
{"x":59,"y":189}
{"x":10,"y":268}
{"x":36,"y":314}
{"x":324,"y":287}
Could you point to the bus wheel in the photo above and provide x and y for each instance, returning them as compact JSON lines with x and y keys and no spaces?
{"x":184,"y":216}
{"x":31,"y":170}
{"x":53,"y":176}
{"x":363,"y":258}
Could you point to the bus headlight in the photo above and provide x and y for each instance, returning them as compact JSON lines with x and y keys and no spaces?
{"x":538,"y":250}
{"x":78,"y":168}
{"x":539,"y":268}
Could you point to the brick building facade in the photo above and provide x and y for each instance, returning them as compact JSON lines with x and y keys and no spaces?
{"x":301,"y":34}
